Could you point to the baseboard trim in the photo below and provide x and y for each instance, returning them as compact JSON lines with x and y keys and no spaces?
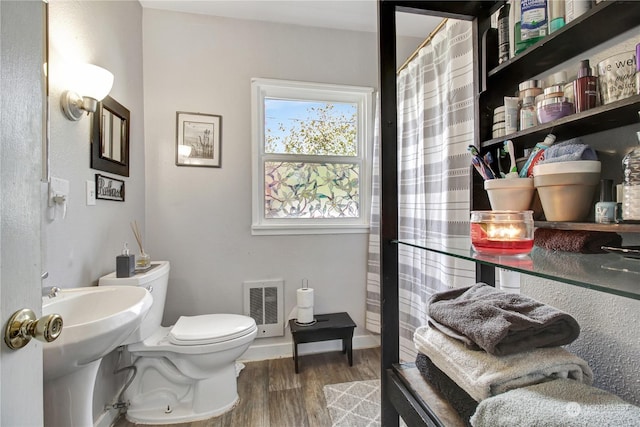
{"x":259,"y":351}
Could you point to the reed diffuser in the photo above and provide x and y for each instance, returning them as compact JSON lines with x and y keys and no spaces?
{"x":144,"y":260}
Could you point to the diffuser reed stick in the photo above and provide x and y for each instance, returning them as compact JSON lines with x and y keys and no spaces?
{"x":144,"y":259}
{"x":138,"y":236}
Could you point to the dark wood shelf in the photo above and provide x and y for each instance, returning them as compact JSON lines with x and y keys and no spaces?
{"x":418,"y":402}
{"x":610,"y":116}
{"x":589,"y":226}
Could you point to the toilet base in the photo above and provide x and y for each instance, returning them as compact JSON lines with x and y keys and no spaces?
{"x":160,"y":394}
{"x":179,"y":414}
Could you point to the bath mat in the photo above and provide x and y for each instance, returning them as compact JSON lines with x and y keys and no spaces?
{"x":354,"y":404}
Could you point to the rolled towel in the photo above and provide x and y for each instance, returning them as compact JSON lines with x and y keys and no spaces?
{"x":567,"y":151}
{"x":459,"y":399}
{"x":581,"y":241}
{"x":500,"y":323}
{"x":482,"y":375}
{"x":558,"y":403}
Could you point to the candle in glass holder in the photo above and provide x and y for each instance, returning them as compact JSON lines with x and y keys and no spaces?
{"x":502,"y":232}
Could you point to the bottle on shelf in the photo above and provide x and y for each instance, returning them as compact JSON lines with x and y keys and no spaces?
{"x":503,"y":33}
{"x":585,"y":88}
{"x":631,"y":185}
{"x":517,"y":45}
{"x":575,"y":8}
{"x":556,"y":15}
{"x":606,"y":207}
{"x":534,"y":23}
{"x":528,"y":118}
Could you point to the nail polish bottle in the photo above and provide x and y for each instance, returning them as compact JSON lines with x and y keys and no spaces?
{"x":606,"y":207}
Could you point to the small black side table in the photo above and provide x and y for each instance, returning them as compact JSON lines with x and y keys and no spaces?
{"x":334,"y":326}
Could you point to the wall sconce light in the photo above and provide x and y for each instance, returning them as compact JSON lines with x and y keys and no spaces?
{"x":90,"y":85}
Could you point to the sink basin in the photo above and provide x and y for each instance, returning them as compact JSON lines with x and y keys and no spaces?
{"x":96,"y":321}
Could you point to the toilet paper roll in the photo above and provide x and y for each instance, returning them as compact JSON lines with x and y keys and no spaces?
{"x":305,"y":297}
{"x":305,"y":305}
{"x":305,"y":315}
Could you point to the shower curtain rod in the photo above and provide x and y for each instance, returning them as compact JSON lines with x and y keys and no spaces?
{"x":423,"y":44}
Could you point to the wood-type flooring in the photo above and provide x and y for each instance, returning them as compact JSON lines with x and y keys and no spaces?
{"x":273,"y":395}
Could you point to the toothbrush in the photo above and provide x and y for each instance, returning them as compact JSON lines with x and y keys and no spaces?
{"x":513,"y":169}
{"x":479,"y":163}
{"x":488,"y":159}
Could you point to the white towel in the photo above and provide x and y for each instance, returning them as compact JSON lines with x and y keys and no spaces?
{"x":558,"y":403}
{"x":482,"y":375}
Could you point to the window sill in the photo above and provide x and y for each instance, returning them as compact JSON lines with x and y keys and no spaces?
{"x":275,"y":230}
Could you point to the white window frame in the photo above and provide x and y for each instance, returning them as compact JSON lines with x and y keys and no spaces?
{"x":294,"y":90}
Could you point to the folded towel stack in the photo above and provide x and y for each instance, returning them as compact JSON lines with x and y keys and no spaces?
{"x":581,"y":241}
{"x":483,"y":375}
{"x":459,"y":399}
{"x":483,"y":317}
{"x":558,"y":403}
{"x":488,"y":343}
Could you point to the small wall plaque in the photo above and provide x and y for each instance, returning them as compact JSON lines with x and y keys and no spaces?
{"x":108,"y":188}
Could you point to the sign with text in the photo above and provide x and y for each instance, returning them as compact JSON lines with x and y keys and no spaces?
{"x":108,"y":188}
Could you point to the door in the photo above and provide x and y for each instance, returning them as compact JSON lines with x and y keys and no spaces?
{"x":21,"y":129}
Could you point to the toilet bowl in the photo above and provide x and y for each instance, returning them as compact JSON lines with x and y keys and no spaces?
{"x":185,"y":372}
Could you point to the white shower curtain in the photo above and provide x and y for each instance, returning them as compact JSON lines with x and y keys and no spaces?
{"x":435,"y":126}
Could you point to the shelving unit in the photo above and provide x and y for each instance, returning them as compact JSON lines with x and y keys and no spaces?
{"x":604,"y":117}
{"x":404,"y":391}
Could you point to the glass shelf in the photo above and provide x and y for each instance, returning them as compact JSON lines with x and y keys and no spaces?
{"x":608,"y":273}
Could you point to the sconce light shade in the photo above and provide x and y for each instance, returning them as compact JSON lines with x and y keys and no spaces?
{"x":90,"y":85}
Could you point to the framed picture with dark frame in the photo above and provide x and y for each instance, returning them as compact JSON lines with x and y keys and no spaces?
{"x":110,"y":137}
{"x":108,"y":188}
{"x":198,"y":139}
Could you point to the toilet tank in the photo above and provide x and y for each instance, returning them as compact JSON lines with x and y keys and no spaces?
{"x":156,"y":281}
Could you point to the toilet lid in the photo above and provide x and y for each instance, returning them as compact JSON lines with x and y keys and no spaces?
{"x":209,"y":328}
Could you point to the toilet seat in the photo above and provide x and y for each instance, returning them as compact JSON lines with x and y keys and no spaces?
{"x":209,"y":329}
{"x":160,"y":341}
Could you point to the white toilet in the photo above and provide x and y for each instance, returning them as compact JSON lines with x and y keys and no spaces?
{"x":185,"y":372}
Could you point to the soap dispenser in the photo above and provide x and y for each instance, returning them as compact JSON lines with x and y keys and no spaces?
{"x":125,"y":263}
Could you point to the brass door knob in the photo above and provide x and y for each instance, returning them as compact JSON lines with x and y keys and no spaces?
{"x":23,"y":326}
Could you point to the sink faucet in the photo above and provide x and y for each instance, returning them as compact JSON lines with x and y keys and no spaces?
{"x":50,"y":291}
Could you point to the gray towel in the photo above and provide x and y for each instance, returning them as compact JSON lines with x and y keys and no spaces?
{"x":482,"y":375}
{"x":459,"y":399}
{"x":571,"y":150}
{"x":557,"y":403}
{"x":499,"y":323}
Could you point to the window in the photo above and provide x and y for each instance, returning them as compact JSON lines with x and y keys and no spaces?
{"x":310,"y":157}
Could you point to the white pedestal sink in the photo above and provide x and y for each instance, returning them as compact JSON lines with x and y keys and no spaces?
{"x":96,"y":321}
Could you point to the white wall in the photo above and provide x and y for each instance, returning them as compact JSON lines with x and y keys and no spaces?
{"x":200,"y":218}
{"x":82,"y":247}
{"x":609,"y":335}
{"x":79,"y":249}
